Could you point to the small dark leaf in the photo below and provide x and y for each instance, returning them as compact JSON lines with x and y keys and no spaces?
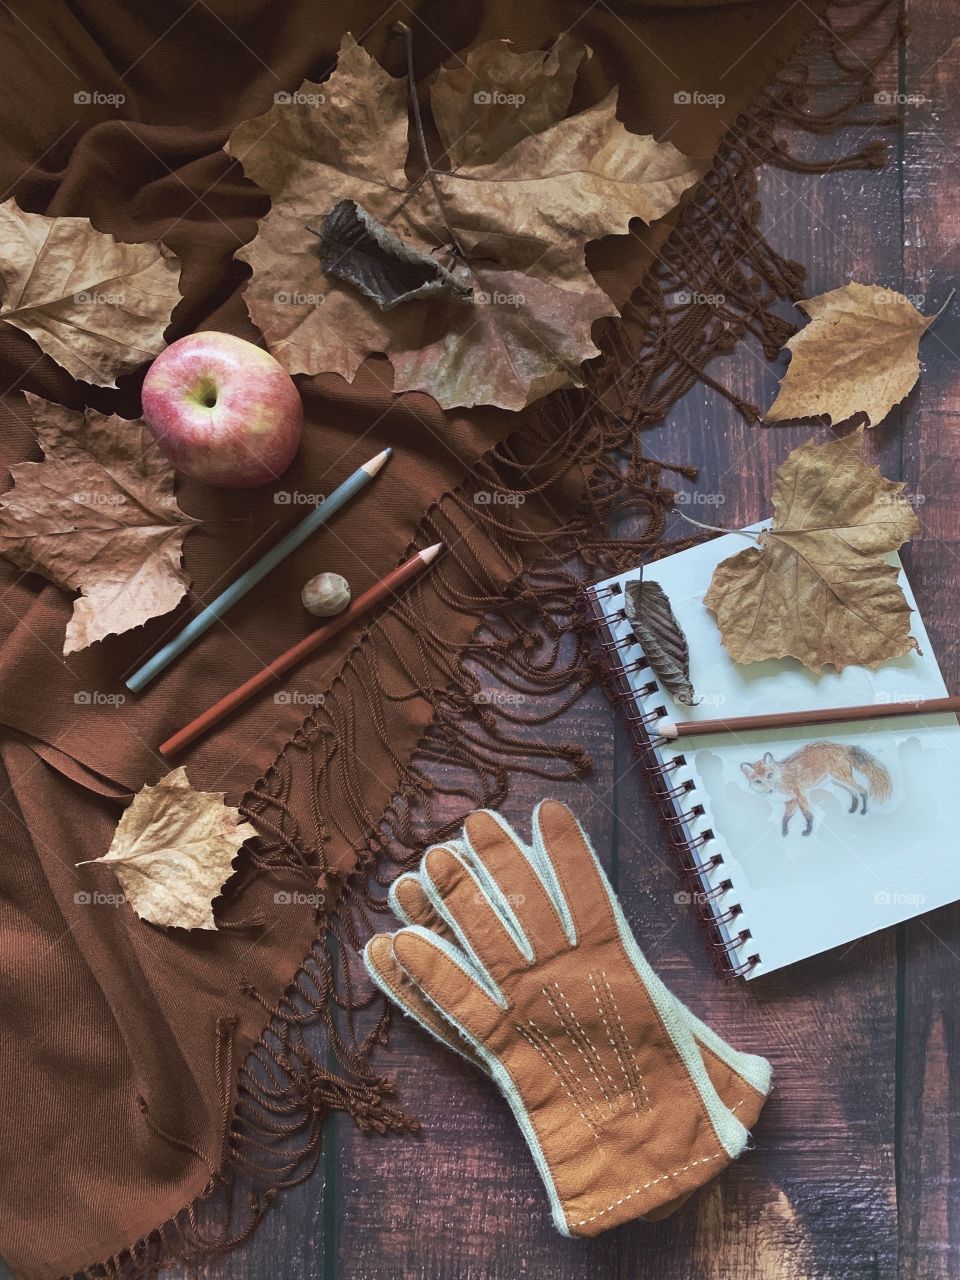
{"x":359,"y":249}
{"x":658,"y":633}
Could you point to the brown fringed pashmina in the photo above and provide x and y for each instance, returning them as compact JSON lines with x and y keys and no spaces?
{"x":147,"y":1071}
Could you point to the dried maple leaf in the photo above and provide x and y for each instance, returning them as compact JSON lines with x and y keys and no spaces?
{"x":95,"y":305}
{"x":818,"y":586}
{"x":512,"y":225}
{"x":173,"y":851}
{"x":857,"y":355}
{"x":98,"y":516}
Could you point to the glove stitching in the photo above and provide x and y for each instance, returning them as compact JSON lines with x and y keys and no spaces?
{"x":588,"y":1102}
{"x":584,"y":1035}
{"x":541,"y":1049}
{"x":652,"y":1183}
{"x":576,"y":1042}
{"x":610,"y":918}
{"x":631,"y":1053}
{"x":616,"y":1046}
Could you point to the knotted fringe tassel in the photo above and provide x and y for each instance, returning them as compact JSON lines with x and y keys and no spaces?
{"x":716,"y":281}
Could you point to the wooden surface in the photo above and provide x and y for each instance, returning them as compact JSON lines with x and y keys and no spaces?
{"x":856,"y":1162}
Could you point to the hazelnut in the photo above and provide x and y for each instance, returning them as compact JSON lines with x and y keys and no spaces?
{"x":325,"y":595}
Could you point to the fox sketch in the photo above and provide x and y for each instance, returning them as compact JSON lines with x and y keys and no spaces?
{"x":796,"y":776}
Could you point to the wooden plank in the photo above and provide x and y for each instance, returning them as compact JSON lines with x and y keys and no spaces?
{"x":288,"y":1244}
{"x":929,"y":1118}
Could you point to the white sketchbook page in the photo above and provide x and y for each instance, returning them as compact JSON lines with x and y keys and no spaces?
{"x":854,"y":873}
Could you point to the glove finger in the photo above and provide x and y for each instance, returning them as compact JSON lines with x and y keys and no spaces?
{"x":445,"y":977}
{"x":461,"y":898}
{"x":390,"y":976}
{"x":563,"y":848}
{"x":738,"y":1095}
{"x":741,"y":1079}
{"x":517,"y":890}
{"x":409,"y":902}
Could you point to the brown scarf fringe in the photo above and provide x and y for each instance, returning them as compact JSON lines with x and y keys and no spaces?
{"x":312,"y":1057}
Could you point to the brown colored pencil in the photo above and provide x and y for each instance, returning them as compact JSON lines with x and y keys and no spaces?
{"x":797,"y":719}
{"x":275,"y":669}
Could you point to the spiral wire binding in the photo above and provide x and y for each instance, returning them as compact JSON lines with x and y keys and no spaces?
{"x":695,"y":862}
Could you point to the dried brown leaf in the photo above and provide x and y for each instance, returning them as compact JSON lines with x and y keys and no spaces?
{"x":495,"y":96}
{"x":520,"y":222}
{"x":660,"y":636}
{"x":173,"y":851}
{"x":95,"y":305}
{"x":358,"y":249}
{"x":818,"y":586}
{"x":98,"y":516}
{"x":857,"y":355}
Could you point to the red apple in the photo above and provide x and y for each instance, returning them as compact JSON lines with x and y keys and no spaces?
{"x":222,"y":410}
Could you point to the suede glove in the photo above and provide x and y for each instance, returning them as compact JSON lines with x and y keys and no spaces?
{"x":519,"y":958}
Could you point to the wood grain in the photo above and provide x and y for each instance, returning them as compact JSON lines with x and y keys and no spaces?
{"x":929,"y":1120}
{"x":855,"y":1171}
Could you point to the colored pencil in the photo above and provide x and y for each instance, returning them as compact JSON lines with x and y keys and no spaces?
{"x":797,"y":719}
{"x":257,"y":572}
{"x":387,"y":586}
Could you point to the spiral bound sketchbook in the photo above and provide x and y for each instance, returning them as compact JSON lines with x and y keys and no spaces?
{"x":880,"y":840}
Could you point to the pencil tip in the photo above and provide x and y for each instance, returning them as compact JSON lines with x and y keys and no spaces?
{"x":431,"y":553}
{"x":374,"y":465}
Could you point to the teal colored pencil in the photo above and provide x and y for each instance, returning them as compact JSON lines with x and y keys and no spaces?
{"x":257,"y":572}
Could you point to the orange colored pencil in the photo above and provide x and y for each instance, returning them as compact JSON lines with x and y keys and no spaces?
{"x":274,"y":670}
{"x":797,"y":719}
